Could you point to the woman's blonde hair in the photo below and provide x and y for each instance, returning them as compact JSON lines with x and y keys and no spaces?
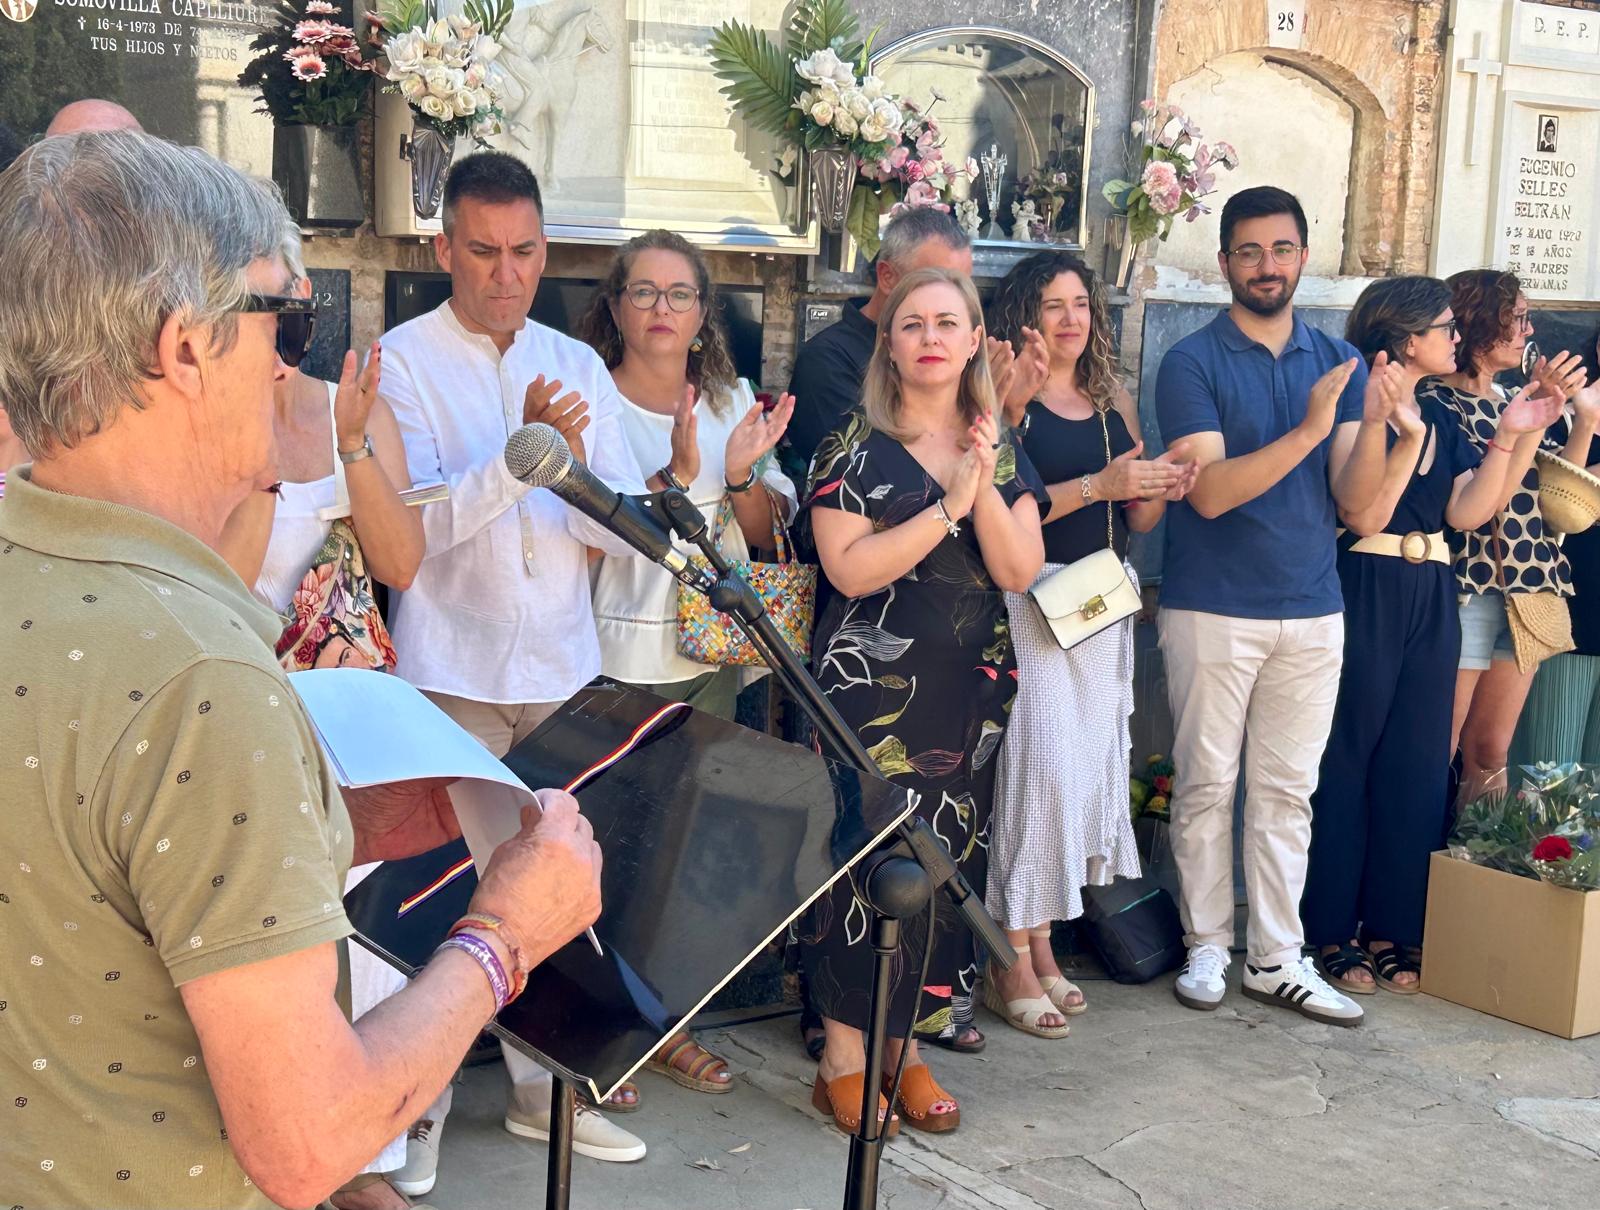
{"x":880,"y":391}
{"x":710,"y":366}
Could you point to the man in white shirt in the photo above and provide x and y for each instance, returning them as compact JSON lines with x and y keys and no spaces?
{"x":498,"y":629}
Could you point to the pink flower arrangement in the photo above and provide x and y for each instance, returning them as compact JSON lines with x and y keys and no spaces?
{"x":306,"y":63}
{"x":1174,"y":170}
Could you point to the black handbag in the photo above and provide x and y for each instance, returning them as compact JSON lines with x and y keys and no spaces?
{"x":1133,"y":926}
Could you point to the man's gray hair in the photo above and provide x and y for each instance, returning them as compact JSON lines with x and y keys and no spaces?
{"x":912,"y":228}
{"x":103,"y":237}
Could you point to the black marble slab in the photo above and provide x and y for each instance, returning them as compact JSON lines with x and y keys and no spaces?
{"x":715,"y":837}
{"x":331,"y":290}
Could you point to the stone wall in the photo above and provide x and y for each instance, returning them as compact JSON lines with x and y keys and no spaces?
{"x":1384,"y":57}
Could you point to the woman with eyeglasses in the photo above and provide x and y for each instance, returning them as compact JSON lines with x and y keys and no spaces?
{"x":1512,"y":553}
{"x":694,"y":425}
{"x":337,"y":445}
{"x":1380,"y":804}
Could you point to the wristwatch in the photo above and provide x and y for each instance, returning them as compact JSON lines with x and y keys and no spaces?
{"x":672,"y":481}
{"x":349,"y":456}
{"x":749,"y":482}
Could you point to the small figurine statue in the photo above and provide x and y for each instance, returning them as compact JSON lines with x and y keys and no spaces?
{"x":1025,"y":217}
{"x":967,"y":217}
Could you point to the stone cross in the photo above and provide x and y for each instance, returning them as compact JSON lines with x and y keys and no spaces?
{"x":1481,"y":69}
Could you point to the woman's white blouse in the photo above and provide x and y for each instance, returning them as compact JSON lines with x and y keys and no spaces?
{"x":636,"y":601}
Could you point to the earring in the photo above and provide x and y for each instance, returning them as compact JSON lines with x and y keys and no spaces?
{"x":696,"y":345}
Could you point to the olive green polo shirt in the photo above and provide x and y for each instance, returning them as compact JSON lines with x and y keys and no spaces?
{"x":167,"y":814}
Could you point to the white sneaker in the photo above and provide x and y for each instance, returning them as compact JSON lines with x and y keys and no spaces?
{"x":421,"y":1169}
{"x":1200,"y":983}
{"x":593,"y":1134}
{"x":1297,"y":985}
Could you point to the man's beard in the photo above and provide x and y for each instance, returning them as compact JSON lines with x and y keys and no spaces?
{"x":1260,"y":306}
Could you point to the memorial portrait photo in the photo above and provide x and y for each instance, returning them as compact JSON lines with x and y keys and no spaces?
{"x":1547,"y":134}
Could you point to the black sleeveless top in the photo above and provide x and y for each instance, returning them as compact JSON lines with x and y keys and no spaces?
{"x":1066,"y":450}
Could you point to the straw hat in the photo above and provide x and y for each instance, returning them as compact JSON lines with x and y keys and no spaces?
{"x":1569,"y":496}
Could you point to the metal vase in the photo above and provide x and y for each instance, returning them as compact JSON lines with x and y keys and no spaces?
{"x":319,"y":170}
{"x":833,"y":179}
{"x":429,"y":153}
{"x":1119,"y":252}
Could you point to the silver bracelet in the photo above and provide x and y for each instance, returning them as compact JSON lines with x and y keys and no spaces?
{"x":950,"y":526}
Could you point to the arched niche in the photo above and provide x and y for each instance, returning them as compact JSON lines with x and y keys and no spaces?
{"x":1005,"y":90}
{"x":1292,"y":130}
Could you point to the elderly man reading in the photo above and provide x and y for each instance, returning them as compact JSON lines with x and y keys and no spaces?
{"x":174,"y":847}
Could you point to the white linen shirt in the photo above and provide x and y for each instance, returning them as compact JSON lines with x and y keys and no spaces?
{"x":636,"y":601}
{"x":500,"y":608}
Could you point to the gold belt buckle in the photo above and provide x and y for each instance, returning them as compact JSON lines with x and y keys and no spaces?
{"x":1405,"y":547}
{"x":1093,"y":607}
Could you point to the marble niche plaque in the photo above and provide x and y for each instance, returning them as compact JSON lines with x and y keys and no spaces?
{"x":1548,"y":208}
{"x":614,"y":106}
{"x":173,"y":63}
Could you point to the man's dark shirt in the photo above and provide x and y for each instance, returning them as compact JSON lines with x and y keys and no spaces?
{"x":826,"y":386}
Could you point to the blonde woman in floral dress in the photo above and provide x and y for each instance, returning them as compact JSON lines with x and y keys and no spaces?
{"x":922,"y":514}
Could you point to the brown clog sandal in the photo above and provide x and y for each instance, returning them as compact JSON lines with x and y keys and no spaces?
{"x":684,"y":1061}
{"x":840,"y":1098}
{"x":919,"y":1093}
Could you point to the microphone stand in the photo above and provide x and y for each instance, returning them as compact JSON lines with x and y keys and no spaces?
{"x":895,"y":881}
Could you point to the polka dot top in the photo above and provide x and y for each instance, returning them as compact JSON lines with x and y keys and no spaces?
{"x":1532,"y":558}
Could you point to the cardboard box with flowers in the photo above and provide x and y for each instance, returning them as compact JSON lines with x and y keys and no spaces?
{"x":1513,"y":928}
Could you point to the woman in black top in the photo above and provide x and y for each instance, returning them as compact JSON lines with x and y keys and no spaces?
{"x":1061,"y":807}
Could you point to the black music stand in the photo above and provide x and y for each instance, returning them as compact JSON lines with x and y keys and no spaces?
{"x":715,"y":837}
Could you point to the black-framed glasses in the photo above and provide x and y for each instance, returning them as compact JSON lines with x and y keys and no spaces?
{"x":1450,"y":326}
{"x":679,"y":298}
{"x":1251,"y":255}
{"x":297,"y":319}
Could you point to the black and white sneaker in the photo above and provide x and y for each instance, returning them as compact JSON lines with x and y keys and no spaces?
{"x":1297,"y":985}
{"x":1200,"y":983}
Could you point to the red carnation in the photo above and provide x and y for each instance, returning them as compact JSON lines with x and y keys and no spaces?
{"x":1552,"y":848}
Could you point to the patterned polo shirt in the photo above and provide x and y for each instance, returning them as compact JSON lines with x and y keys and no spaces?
{"x":168,"y":814}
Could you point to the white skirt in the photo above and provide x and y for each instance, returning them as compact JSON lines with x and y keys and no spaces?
{"x":1061,"y":803}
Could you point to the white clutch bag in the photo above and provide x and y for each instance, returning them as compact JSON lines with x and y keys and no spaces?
{"x":1091,"y":593}
{"x":1086,"y":597}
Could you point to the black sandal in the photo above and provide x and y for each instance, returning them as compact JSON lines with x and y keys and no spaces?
{"x":1336,"y":968}
{"x":952,"y":1040}
{"x":1395,"y":961}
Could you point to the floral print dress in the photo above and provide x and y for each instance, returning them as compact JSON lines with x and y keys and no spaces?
{"x":923,"y":671}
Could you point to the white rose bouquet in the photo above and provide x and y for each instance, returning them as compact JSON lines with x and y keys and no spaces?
{"x":444,"y":67}
{"x":815,"y":92}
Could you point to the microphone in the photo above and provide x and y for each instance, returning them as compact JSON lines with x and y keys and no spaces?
{"x":539,"y":456}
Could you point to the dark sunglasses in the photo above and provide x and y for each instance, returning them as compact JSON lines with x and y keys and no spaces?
{"x":297,"y":319}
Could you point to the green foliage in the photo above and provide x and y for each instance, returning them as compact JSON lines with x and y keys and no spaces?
{"x":820,"y":24}
{"x":867,"y":205}
{"x":397,"y":16}
{"x":759,"y":78}
{"x":492,"y":16}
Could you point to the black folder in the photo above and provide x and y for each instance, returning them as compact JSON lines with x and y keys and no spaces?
{"x":715,"y":838}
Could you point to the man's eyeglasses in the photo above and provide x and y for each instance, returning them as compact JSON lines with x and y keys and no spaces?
{"x":680,"y":298}
{"x":1450,"y":326}
{"x":297,"y":319}
{"x":1251,"y":255}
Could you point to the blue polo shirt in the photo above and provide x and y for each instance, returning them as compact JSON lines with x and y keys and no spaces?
{"x":1273,"y":557}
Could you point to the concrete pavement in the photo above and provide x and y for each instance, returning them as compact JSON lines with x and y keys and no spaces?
{"x":1147,"y":1106}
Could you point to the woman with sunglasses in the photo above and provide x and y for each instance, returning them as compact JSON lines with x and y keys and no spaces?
{"x":694,"y":425}
{"x":335,"y":442}
{"x":1512,"y":553}
{"x":1380,"y":804}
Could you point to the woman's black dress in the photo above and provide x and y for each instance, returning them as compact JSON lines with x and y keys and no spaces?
{"x":924,"y":673}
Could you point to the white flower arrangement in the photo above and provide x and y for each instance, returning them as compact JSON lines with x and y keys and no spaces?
{"x":444,"y":67}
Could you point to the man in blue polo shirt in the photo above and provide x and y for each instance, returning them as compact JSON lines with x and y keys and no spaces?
{"x":1284,"y":427}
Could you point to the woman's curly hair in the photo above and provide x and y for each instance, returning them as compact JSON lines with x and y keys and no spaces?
{"x":711,"y":368}
{"x":1483,"y":301}
{"x":1016,"y":304}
